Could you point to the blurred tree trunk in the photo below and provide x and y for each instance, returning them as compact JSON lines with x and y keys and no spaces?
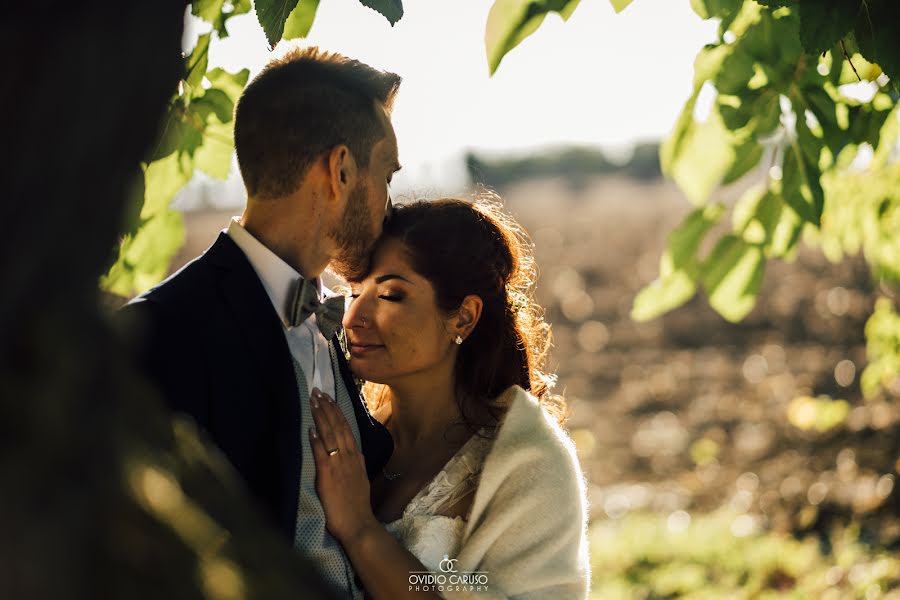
{"x":101,"y":495}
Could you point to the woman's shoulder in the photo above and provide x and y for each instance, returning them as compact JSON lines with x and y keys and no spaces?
{"x":531,"y":465}
{"x":526,"y":420}
{"x":530,"y":438}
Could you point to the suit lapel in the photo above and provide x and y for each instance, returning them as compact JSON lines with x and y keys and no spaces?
{"x":259,"y":324}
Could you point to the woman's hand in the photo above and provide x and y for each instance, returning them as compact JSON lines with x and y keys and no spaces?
{"x":341,"y":480}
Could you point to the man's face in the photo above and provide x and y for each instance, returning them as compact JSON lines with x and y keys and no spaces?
{"x":367,"y":207}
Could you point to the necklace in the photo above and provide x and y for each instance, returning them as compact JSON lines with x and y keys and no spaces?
{"x":390,"y":476}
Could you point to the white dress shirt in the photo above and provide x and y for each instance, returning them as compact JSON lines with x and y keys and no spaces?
{"x":307,"y":344}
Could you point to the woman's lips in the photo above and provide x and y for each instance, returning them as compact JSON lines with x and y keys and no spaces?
{"x":363,"y":349}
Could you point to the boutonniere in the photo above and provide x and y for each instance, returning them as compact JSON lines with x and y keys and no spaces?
{"x":345,"y":349}
{"x":342,"y":342}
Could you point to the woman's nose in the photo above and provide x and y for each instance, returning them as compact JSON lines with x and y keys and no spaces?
{"x":355,"y":315}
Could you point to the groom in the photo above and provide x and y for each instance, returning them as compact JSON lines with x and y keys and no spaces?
{"x":240,"y":336}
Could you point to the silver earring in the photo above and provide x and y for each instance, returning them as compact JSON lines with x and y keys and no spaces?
{"x":363,"y":319}
{"x":458,"y":339}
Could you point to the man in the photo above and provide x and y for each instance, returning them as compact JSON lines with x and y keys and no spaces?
{"x":239,"y":337}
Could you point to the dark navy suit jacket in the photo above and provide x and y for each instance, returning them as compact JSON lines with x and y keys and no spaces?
{"x":211,"y":340}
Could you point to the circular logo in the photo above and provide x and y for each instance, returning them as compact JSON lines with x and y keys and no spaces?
{"x":447,"y":564}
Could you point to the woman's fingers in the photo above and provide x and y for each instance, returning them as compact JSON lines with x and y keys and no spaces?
{"x":318,"y":447}
{"x":324,"y":427}
{"x":340,"y":428}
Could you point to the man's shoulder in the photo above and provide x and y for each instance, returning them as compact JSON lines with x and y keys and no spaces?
{"x":187,"y":286}
{"x":195,"y":282}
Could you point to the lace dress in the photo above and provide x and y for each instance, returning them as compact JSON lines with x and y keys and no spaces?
{"x":427,"y":534}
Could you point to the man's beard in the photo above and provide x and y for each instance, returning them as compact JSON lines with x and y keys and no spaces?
{"x":354,"y":237}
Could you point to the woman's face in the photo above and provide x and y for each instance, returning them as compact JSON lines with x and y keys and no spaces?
{"x":394,"y":327}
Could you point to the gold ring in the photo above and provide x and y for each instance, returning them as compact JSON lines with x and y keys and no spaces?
{"x":333,"y":452}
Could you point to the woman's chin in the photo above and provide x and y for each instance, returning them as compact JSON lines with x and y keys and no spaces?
{"x":361,"y":370}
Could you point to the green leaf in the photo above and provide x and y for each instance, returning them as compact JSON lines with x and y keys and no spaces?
{"x":217,"y":12}
{"x":736,"y":113}
{"x":746,"y":157}
{"x":732,"y":275}
{"x":746,"y":206}
{"x":887,"y":138}
{"x":678,"y":266}
{"x":195,"y":68}
{"x":822,"y":106}
{"x":663,"y":295}
{"x":213,"y":157}
{"x":620,"y":5}
{"x":866,"y":122}
{"x":682,"y":244}
{"x":786,"y":234}
{"x":213,"y":102}
{"x":706,"y":64}
{"x":708,"y":9}
{"x":301,"y":19}
{"x":882,"y":348}
{"x":511,"y":21}
{"x":811,"y":143}
{"x":134,"y":202}
{"x":272,"y":15}
{"x":856,"y":68}
{"x":230,"y":83}
{"x":163,"y":178}
{"x":392,"y":10}
{"x":173,"y":134}
{"x":208,"y":10}
{"x":767,"y":114}
{"x":777,"y":3}
{"x":145,"y":256}
{"x":699,"y":157}
{"x":801,"y":187}
{"x":822,"y":24}
{"x":876,"y":33}
{"x":760,"y":218}
{"x":735,"y":72}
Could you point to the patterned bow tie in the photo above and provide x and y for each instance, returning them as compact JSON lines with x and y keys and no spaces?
{"x":305,"y":301}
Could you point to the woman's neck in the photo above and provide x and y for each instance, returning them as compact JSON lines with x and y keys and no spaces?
{"x":422,"y":410}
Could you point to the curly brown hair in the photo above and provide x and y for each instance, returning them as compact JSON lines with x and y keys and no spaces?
{"x":468,"y":247}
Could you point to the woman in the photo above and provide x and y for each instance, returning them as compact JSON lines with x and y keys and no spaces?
{"x":483,"y":482}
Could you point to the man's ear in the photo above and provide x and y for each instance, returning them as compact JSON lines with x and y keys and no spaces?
{"x":468,"y":315}
{"x":342,"y":171}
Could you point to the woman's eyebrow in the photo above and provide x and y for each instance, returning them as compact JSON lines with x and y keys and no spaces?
{"x":389,"y":276}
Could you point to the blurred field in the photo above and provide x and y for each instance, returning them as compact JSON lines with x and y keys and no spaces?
{"x":700,"y":484}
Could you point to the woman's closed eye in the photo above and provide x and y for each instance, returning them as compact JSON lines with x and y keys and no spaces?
{"x":390,"y":297}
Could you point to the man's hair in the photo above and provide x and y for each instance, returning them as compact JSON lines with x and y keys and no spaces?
{"x":299,"y":107}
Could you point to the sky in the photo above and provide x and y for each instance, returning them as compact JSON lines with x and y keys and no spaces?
{"x":598,"y":79}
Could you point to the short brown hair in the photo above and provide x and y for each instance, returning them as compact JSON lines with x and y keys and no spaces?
{"x":299,"y":107}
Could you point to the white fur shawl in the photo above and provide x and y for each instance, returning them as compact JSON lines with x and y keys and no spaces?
{"x":528,"y":524}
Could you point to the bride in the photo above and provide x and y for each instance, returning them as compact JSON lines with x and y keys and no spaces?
{"x":483,"y":483}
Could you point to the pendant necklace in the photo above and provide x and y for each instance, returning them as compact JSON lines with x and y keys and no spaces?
{"x":390,"y":476}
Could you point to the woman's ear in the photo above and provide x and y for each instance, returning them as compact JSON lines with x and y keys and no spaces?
{"x":342,"y":171}
{"x":468,"y":315}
